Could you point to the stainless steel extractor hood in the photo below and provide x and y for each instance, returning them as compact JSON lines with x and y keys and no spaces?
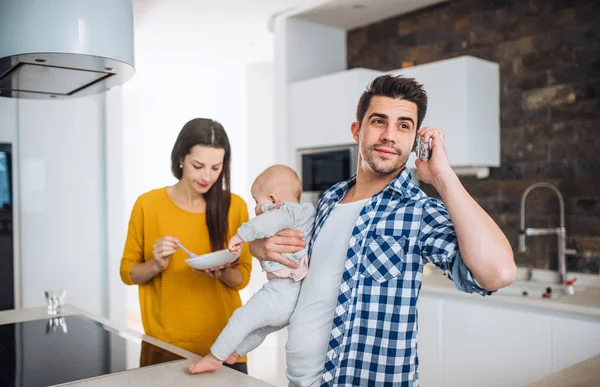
{"x":65,"y":48}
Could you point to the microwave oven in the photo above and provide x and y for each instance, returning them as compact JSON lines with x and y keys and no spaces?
{"x":320,"y":168}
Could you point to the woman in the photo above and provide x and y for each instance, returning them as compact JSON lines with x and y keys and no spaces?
{"x":181,"y":306}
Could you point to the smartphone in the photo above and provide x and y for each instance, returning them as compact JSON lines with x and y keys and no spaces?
{"x":422,"y":150}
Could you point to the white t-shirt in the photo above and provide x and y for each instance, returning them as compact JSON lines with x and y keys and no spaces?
{"x":310,"y":325}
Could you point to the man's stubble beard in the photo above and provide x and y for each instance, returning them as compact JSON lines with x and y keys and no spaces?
{"x":389,"y":167}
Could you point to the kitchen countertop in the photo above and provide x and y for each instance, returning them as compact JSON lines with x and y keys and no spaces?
{"x":584,"y":374}
{"x":585,"y":301}
{"x":167,"y":374}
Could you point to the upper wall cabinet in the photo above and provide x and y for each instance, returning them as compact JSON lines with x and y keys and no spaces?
{"x":322,"y":109}
{"x":464,"y":100}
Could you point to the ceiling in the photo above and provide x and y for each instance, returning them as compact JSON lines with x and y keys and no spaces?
{"x":345,"y":14}
{"x":229,"y":9}
{"x":350,"y":14}
{"x":142,"y":7}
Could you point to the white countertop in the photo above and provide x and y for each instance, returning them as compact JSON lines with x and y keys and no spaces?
{"x":167,"y":374}
{"x":584,"y":374}
{"x":585,"y":301}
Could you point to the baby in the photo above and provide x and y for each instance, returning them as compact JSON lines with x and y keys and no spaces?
{"x":277,"y":193}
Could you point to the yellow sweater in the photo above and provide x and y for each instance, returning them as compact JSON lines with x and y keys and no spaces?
{"x":180,"y":306}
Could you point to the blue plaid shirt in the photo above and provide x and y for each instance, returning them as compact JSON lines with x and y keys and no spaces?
{"x":374,"y":334}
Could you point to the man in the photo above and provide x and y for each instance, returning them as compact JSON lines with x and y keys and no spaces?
{"x":355,"y":322}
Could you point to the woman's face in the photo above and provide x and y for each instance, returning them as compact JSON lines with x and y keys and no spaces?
{"x":202,"y":167}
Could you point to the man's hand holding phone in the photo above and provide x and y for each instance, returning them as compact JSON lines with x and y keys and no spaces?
{"x":432,"y":162}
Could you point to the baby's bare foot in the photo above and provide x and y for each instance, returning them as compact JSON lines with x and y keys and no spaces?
{"x":233,"y":358}
{"x":207,"y":363}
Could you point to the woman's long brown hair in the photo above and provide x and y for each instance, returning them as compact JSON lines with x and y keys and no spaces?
{"x":206,"y":132}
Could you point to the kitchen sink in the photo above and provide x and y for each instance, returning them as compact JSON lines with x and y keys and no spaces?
{"x":532,"y":290}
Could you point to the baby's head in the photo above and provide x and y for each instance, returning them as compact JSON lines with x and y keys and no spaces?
{"x":274,"y":185}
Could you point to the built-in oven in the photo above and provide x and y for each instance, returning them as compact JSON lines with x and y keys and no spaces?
{"x":320,"y":168}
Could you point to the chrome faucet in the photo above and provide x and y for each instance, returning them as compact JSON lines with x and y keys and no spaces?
{"x":560,"y":231}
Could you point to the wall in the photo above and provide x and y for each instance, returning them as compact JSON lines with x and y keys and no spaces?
{"x":192,"y":61}
{"x":549,"y":56}
{"x":260,"y":146}
{"x":62,"y":196}
{"x":8,"y":125}
{"x":60,"y":191}
{"x":303,"y":50}
{"x":261,"y":154}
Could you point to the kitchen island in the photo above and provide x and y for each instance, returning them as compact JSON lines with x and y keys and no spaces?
{"x":81,"y":349}
{"x":513,"y":337}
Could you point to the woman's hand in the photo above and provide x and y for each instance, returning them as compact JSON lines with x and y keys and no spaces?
{"x":270,"y":249}
{"x":163,"y":249}
{"x":217,"y":272}
{"x":229,"y":275}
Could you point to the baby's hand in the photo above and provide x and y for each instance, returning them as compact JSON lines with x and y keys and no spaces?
{"x":235,"y":245}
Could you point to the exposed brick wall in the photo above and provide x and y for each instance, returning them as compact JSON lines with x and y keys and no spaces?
{"x":549,"y":56}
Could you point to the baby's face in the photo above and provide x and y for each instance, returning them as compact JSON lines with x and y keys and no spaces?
{"x":260,"y":198}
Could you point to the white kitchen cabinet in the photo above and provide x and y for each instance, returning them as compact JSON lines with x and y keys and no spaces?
{"x":464,"y":100}
{"x":487,"y":345}
{"x":322,"y":109}
{"x":430,"y":341}
{"x":473,"y":342}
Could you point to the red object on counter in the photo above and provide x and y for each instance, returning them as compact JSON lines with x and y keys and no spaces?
{"x":570,"y":282}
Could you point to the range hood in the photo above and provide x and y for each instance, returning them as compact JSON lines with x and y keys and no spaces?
{"x":66,"y":48}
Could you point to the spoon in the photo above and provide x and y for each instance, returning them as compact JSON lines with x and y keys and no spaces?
{"x":192,"y":255}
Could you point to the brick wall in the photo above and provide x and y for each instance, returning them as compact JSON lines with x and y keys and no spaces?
{"x":549,"y":56}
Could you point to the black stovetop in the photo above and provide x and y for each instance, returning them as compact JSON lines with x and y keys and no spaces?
{"x":60,"y":350}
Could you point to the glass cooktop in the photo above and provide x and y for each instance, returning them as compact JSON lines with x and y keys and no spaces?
{"x":65,"y":349}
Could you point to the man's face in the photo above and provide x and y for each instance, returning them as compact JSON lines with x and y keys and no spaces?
{"x":386,"y":134}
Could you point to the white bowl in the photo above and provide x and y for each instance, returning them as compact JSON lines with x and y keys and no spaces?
{"x":215,"y":259}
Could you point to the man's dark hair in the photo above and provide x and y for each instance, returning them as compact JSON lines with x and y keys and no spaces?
{"x":396,"y":87}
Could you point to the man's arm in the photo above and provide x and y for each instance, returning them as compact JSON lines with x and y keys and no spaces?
{"x":270,"y":249}
{"x":266,"y":224}
{"x":483,"y":246}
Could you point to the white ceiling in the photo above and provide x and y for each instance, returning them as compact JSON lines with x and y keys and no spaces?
{"x":142,"y":7}
{"x":227,"y":29}
{"x":241,"y":28}
{"x":229,"y":9}
{"x":349,"y":14}
{"x":345,"y":14}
